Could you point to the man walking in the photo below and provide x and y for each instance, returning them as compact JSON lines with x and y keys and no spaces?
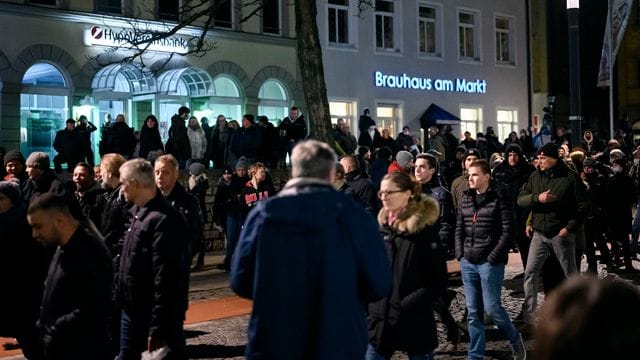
{"x":557,"y":201}
{"x":309,"y":258}
{"x":154,"y":273}
{"x":484,"y":232}
{"x":76,"y":301}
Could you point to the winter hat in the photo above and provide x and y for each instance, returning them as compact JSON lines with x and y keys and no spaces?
{"x":471,"y":152}
{"x":590,"y":163}
{"x":549,"y":150}
{"x":621,"y":162}
{"x":13,"y":155}
{"x":616,"y":154}
{"x":227,"y":170}
{"x":513,"y":148}
{"x":242,"y":163}
{"x":11,"y":190}
{"x":196,"y":169}
{"x":404,"y":158}
{"x":38,"y":160}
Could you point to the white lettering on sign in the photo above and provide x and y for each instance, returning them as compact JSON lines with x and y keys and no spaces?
{"x":405,"y":81}
{"x":106,"y":36}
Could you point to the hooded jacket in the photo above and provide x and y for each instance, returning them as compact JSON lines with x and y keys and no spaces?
{"x":404,"y":320}
{"x":313,"y":257}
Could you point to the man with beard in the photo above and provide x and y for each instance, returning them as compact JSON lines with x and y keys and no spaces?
{"x":87,"y":192}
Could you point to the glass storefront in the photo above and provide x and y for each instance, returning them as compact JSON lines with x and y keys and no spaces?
{"x":44,"y":108}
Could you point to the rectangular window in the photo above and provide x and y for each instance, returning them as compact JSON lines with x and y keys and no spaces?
{"x":387,"y":117}
{"x":271,"y":17}
{"x":344,"y":110}
{"x":223,"y":14}
{"x":429,"y":22}
{"x":507,"y":122}
{"x":169,"y":10}
{"x":469,"y":35}
{"x":505,"y":40}
{"x":384,"y":25}
{"x":471,"y":120}
{"x":109,"y":6}
{"x":338,"y":17}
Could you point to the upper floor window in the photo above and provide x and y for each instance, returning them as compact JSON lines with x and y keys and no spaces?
{"x":505,"y":40}
{"x":169,"y":10}
{"x":223,"y":14}
{"x":386,"y":23}
{"x":469,"y":35}
{"x":338,"y":17}
{"x":109,"y":6}
{"x":429,"y":25}
{"x":271,"y":17}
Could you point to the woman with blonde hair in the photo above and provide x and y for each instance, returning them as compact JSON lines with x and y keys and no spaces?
{"x":408,"y":223}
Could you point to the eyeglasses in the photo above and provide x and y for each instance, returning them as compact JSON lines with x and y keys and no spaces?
{"x":386,"y":193}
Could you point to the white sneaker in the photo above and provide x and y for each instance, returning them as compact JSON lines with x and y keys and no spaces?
{"x":518,"y":349}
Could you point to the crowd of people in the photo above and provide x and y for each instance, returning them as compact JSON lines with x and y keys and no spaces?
{"x":346,"y":260}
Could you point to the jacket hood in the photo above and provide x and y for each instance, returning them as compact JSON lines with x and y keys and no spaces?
{"x":418,"y":215}
{"x":291,"y":206}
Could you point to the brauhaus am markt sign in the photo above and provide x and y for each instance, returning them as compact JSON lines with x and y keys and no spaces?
{"x":123,"y":38}
{"x":405,"y":81}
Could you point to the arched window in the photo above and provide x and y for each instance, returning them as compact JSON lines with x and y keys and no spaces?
{"x":274,"y":101}
{"x":44,"y":108}
{"x":227,"y":100}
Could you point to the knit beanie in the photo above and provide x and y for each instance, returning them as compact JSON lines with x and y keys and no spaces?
{"x":549,"y":150}
{"x":242,"y":163}
{"x":471,"y":152}
{"x":196,"y":169}
{"x":38,"y":160}
{"x":13,"y":155}
{"x":404,"y":158}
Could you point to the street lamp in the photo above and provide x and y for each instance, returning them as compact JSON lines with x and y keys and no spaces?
{"x":575,"y":119}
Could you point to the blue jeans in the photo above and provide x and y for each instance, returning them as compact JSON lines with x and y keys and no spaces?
{"x":372,"y":354}
{"x":483,"y":285}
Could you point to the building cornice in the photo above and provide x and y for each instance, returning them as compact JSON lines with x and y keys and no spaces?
{"x":124,"y":22}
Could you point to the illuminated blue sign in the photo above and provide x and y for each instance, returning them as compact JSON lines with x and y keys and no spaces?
{"x":421,"y":83}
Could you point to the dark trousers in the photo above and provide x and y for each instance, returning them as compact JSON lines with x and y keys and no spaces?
{"x":58,"y":160}
{"x":593,"y":238}
{"x":134,"y":338}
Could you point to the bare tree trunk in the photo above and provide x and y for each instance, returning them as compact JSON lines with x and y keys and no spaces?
{"x":310,"y":59}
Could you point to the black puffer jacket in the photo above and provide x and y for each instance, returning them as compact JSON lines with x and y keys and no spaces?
{"x":404,"y":320}
{"x":447,"y":220}
{"x":485,"y":227}
{"x":362,"y":189}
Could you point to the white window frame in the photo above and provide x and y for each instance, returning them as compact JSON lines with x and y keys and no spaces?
{"x":478,"y":122}
{"x":513,"y":123}
{"x":352,"y":117}
{"x":399,"y":116}
{"x":477,"y":35}
{"x":511,"y":38}
{"x":396,"y":19}
{"x":439,"y":29}
{"x":233,"y":15}
{"x":351,"y":26}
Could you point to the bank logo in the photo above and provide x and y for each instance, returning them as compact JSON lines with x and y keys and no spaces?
{"x":97,"y":32}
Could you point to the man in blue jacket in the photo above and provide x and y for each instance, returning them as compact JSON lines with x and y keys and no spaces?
{"x":310,"y":258}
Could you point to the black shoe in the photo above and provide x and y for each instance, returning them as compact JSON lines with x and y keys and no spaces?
{"x":223,"y":266}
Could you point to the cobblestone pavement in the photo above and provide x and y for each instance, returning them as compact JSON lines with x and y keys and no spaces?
{"x":226,"y":338}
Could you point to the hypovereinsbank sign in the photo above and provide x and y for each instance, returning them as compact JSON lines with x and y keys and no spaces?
{"x":124,"y":38}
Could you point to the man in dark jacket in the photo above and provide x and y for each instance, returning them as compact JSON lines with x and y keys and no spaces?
{"x":361,"y":186}
{"x":484,"y":232}
{"x":557,"y":203}
{"x":178,"y":143}
{"x":346,"y":143}
{"x":246,"y":140}
{"x":68,"y":144}
{"x":166,"y":175}
{"x":153,"y":280}
{"x":76,"y":300}
{"x":331,"y":247}
{"x":426,"y":172}
{"x":41,"y":178}
{"x":121,"y":138}
{"x":291,"y":130}
{"x":511,"y":175}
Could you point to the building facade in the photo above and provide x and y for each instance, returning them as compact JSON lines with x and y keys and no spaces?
{"x":64,"y":59}
{"x":399,"y":57}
